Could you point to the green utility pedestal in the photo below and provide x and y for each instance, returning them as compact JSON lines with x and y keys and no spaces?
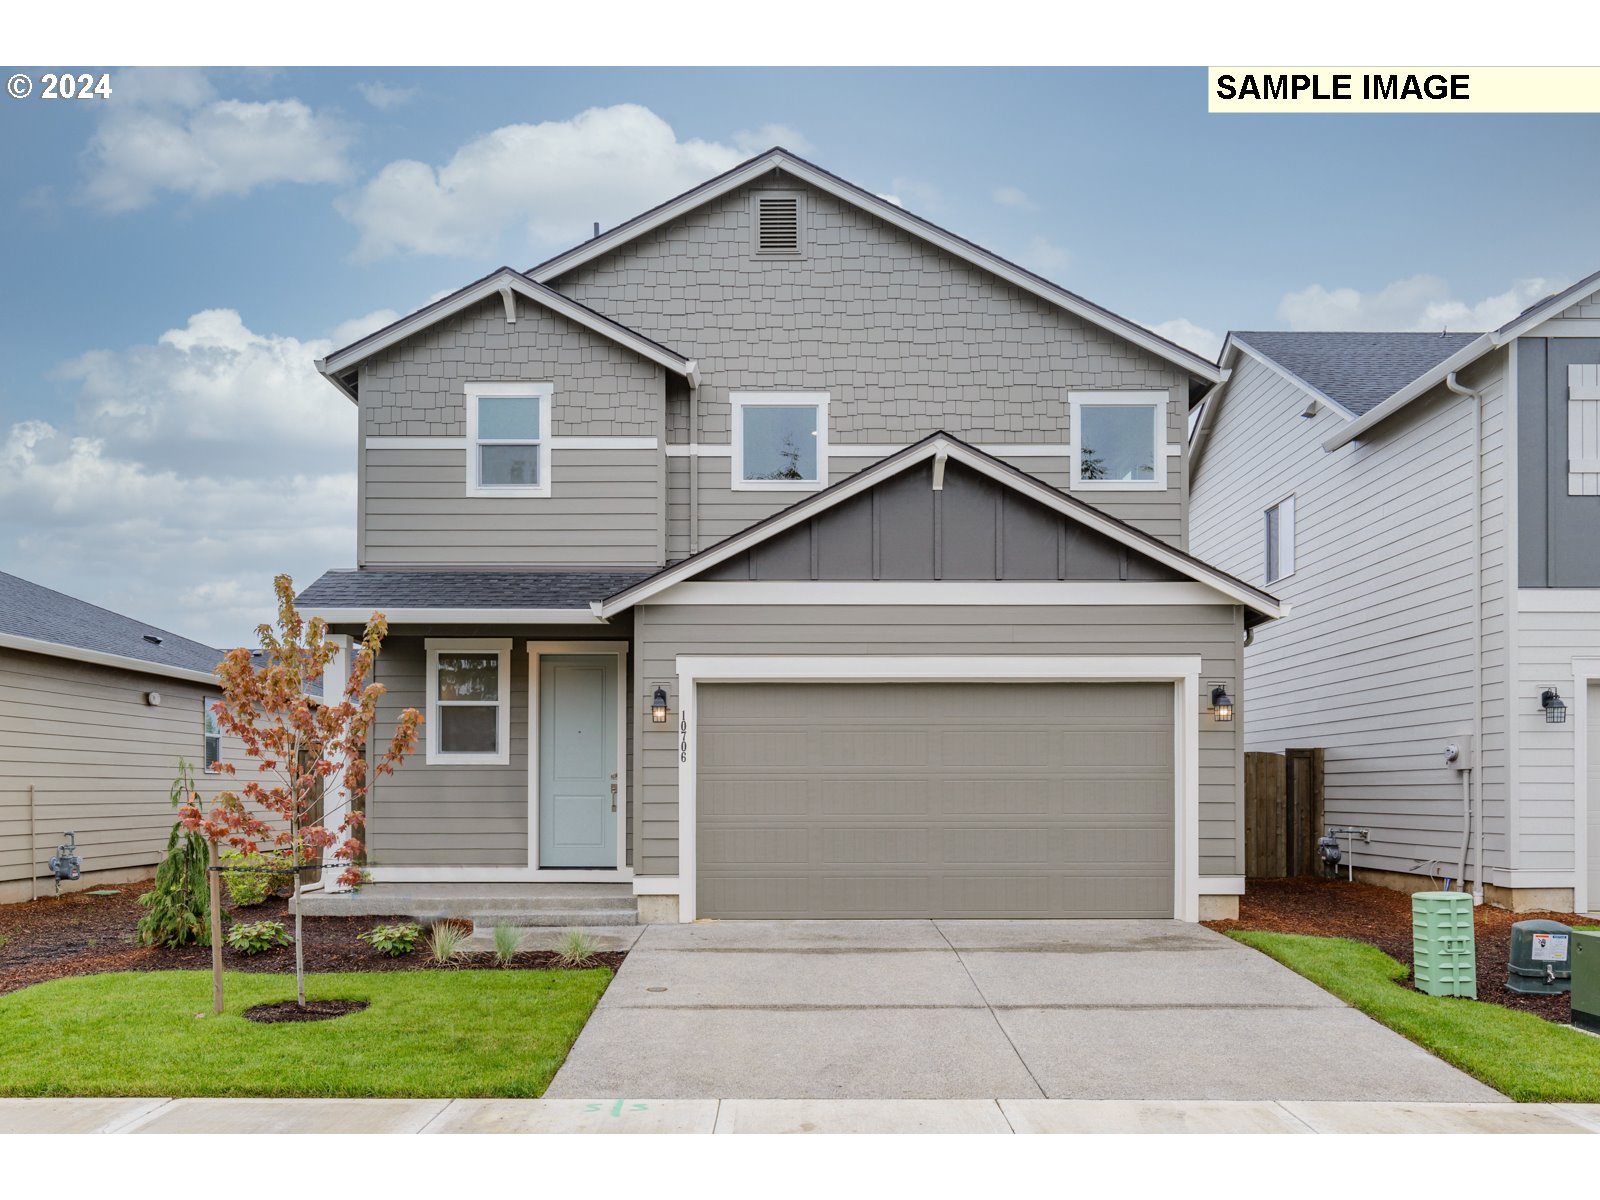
{"x":1443,"y":959}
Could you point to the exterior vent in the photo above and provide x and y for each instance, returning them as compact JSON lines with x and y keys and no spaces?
{"x":152,"y":639}
{"x":778,"y":220}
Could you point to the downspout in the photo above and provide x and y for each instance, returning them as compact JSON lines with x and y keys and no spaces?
{"x":694,"y":474}
{"x":1475,"y":776}
{"x":33,"y":844}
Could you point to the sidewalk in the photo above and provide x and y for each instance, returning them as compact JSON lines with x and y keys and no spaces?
{"x":786,"y":1116}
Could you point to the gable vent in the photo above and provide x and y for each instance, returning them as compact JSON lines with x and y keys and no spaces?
{"x":778,"y":225}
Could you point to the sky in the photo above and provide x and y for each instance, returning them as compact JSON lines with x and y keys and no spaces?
{"x":176,"y":256}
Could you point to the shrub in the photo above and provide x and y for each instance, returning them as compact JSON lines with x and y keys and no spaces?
{"x":247,"y":884}
{"x":393,"y":940}
{"x":577,"y":948}
{"x":257,"y":937}
{"x":506,"y":940}
{"x":444,"y":941}
{"x":179,"y":906}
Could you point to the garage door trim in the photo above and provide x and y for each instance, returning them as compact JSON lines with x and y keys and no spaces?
{"x":1182,"y":671}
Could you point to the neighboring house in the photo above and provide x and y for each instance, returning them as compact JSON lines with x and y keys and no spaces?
{"x":1430,"y":506}
{"x":780,"y":554}
{"x":95,"y":711}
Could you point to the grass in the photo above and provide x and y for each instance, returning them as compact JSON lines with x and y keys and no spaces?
{"x":426,"y":1033}
{"x":1524,"y":1056}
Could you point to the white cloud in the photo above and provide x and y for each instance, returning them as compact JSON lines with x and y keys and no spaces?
{"x":1190,"y":336}
{"x":751,"y":142}
{"x":357,"y":328}
{"x":194,"y":469}
{"x":1421,"y":303}
{"x":169,"y":131}
{"x":1011,"y":197}
{"x":1044,"y":256}
{"x":917,"y":194}
{"x":551,"y":180}
{"x":383,"y":97}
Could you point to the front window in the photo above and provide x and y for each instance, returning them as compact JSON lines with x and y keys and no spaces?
{"x":780,"y":441}
{"x":1119,"y":440}
{"x":213,"y":737}
{"x":469,"y":715}
{"x":508,"y":439}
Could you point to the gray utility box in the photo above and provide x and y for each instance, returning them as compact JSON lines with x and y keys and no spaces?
{"x":1541,"y":958}
{"x":1586,"y":981}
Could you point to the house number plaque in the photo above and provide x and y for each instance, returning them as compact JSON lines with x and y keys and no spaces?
{"x":683,"y":735}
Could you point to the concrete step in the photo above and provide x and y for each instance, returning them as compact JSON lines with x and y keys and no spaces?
{"x":482,"y":919}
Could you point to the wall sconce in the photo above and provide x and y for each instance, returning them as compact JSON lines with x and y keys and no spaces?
{"x":1555,"y":708}
{"x":1221,"y":704}
{"x":658,"y":706}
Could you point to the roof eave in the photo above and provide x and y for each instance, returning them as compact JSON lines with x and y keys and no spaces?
{"x":1468,"y":354}
{"x":12,"y":641}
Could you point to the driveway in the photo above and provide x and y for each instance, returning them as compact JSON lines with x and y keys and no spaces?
{"x":1143,"y":1010}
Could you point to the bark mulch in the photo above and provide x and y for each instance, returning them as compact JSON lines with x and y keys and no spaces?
{"x":311,"y":1010}
{"x":1382,"y":918}
{"x":80,"y":934}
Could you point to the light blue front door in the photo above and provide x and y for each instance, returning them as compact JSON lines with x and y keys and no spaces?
{"x":578,"y":760}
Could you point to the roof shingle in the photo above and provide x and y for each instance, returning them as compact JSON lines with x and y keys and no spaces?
{"x":1357,"y":370}
{"x":378,"y":589}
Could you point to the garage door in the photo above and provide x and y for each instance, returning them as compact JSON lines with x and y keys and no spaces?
{"x":952,"y":800}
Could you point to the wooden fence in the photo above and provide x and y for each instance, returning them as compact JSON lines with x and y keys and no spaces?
{"x":1283,"y":813}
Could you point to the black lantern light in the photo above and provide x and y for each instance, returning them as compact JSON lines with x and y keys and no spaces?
{"x":658,"y":706}
{"x":1221,"y":703}
{"x":1555,"y":708}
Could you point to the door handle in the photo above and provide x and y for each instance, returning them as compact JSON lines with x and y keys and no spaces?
{"x":613,"y":796}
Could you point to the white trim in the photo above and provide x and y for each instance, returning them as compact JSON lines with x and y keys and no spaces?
{"x":599,"y":649}
{"x":1085,"y":514}
{"x":700,"y":450}
{"x":1119,"y":593}
{"x":337,"y":799}
{"x":893,"y":214}
{"x":501,"y":755}
{"x":399,"y":874}
{"x":1558,"y":600}
{"x":1222,"y":885}
{"x":457,"y":616}
{"x":1078,"y":401}
{"x":657,"y":885}
{"x":744,"y":400}
{"x":384,"y":442}
{"x":12,"y":641}
{"x":1181,"y":670}
{"x":998,"y":449}
{"x":1584,"y":672}
{"x":476,"y":390}
{"x":1235,"y":342}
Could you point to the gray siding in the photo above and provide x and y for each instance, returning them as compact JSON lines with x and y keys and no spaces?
{"x":662,"y":632}
{"x":1559,"y":535}
{"x":1375,"y":662}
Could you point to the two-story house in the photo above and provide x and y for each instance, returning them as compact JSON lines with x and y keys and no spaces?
{"x":777,"y":554}
{"x":1430,"y":506}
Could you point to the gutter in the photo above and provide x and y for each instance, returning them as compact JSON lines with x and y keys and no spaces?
{"x":1445,"y":371}
{"x":1475,"y":774}
{"x":11,"y":641}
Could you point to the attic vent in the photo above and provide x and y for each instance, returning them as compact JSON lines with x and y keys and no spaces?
{"x":152,"y":639}
{"x":777,"y":224}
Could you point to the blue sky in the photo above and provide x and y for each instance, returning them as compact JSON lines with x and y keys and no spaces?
{"x":176,"y":255}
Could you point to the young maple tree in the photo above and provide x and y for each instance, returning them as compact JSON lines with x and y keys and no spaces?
{"x":304,"y":748}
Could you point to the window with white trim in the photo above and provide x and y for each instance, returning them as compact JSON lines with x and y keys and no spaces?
{"x":1279,"y":531}
{"x":780,"y":441}
{"x":1119,"y":440}
{"x":212,"y":733}
{"x":508,"y":439}
{"x":469,"y":700}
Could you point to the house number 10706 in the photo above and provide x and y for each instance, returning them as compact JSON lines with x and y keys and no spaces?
{"x":683,"y":735}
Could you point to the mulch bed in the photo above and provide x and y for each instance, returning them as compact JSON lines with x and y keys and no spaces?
{"x":312,"y":1010}
{"x":1382,"y":918}
{"x":79,"y":934}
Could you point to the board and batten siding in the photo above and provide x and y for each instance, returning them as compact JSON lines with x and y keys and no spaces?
{"x":662,"y":632}
{"x":100,"y":760}
{"x":1374,"y":664}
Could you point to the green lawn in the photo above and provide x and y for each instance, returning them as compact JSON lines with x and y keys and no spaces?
{"x":427,"y":1033}
{"x":1524,"y":1056}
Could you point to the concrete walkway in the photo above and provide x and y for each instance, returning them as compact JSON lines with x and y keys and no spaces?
{"x":784,"y":1116}
{"x":1022,"y":1010}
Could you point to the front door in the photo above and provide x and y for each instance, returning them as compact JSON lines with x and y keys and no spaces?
{"x":578,"y":760}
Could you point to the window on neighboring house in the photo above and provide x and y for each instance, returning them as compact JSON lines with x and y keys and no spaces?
{"x":213,"y":736}
{"x":1280,"y":540}
{"x":780,"y":441}
{"x":469,"y":702}
{"x":508,"y":439}
{"x":1119,"y":440}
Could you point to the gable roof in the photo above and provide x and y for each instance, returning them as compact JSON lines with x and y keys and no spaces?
{"x":1260,"y":604}
{"x":779,"y":159}
{"x":507,"y":284}
{"x":41,"y":620}
{"x":1354,"y":371}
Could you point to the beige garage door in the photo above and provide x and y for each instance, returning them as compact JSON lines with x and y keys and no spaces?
{"x":949,"y":800}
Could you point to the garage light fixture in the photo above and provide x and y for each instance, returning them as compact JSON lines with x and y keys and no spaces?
{"x":1221,"y":704}
{"x":658,"y":706}
{"x":1555,"y":708}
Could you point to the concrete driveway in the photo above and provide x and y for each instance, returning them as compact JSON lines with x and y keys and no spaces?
{"x":1141,"y":1010}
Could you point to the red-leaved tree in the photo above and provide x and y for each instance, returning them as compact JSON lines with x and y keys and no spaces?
{"x":304,"y":748}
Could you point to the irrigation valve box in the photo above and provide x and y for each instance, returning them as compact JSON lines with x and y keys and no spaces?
{"x":1586,"y":981}
{"x":1541,"y":958}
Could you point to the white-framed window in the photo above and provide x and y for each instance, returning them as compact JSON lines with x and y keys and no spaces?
{"x":780,"y":441}
{"x":1279,"y":535}
{"x":212,"y":735}
{"x":508,"y":439}
{"x":469,"y":700}
{"x":1119,"y":440}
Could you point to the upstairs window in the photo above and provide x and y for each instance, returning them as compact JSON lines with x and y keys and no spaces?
{"x":1280,"y":540}
{"x":780,"y":441}
{"x":212,"y":734}
{"x":1119,"y":440}
{"x":508,"y":439}
{"x":469,"y":704}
